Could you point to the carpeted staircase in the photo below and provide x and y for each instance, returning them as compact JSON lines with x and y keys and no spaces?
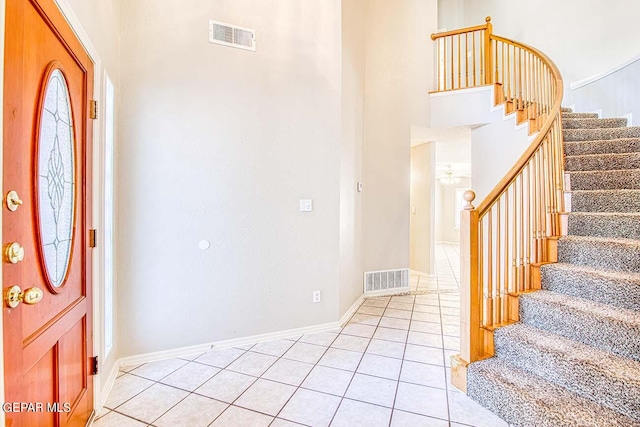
{"x":574,"y":358}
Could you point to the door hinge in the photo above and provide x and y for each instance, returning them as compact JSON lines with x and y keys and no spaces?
{"x":93,"y":238}
{"x":94,"y":365}
{"x":93,"y":109}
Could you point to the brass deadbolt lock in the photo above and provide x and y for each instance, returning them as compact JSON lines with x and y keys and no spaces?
{"x":14,"y":253}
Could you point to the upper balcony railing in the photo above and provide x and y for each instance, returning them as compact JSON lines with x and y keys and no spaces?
{"x":511,"y":230}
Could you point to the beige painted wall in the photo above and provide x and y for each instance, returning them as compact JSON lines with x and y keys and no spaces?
{"x":224,"y":144}
{"x":583,"y":38}
{"x":422,"y":201}
{"x":399,"y":74}
{"x":354,"y":20}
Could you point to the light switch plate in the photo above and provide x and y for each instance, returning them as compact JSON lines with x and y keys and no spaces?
{"x":306,"y":205}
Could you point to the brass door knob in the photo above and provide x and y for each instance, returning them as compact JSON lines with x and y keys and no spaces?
{"x":14,"y":296}
{"x":14,"y":253}
{"x":13,"y":200}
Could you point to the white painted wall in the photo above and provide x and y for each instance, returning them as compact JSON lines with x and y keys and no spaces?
{"x":422,"y":201}
{"x":399,"y":73}
{"x":614,"y":95}
{"x":497,"y":142}
{"x":354,"y":20}
{"x":582,"y":37}
{"x":223,"y":145}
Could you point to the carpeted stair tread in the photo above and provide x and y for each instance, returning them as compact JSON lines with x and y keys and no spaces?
{"x":600,"y":134}
{"x":605,"y":201}
{"x":566,"y":110}
{"x":606,"y":287}
{"x":525,"y":400}
{"x":599,"y":162}
{"x":599,"y":325}
{"x":600,"y":252}
{"x":584,"y":123}
{"x":579,"y":115}
{"x":595,"y":374}
{"x":627,"y":179}
{"x":620,"y":145}
{"x":605,"y":224}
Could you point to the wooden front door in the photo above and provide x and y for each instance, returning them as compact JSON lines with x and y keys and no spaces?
{"x":48,"y":81}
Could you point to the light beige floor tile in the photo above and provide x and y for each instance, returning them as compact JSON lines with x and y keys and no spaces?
{"x":450,"y":304}
{"x":302,"y":352}
{"x":449,"y":311}
{"x":406,"y":419}
{"x":374,"y":303}
{"x":420,"y":338}
{"x":190,"y":376}
{"x":273,"y":348}
{"x":328,"y":380}
{"x":288,"y":371}
{"x":400,"y":306}
{"x":447,"y":356}
{"x":265,"y":396}
{"x":426,"y":327}
{"x":365,"y":319}
{"x":129,"y":368}
{"x":358,"y":330}
{"x":386,"y":299}
{"x":124,"y":388}
{"x":341,"y":359}
{"x":451,"y":343}
{"x":320,"y":338}
{"x":254,"y":364}
{"x":193,"y":411}
{"x":113,"y":419}
{"x":226,"y":386}
{"x":102,"y":413}
{"x":423,"y":374}
{"x":220,"y":358}
{"x":422,"y":400}
{"x":407,"y":299}
{"x":466,"y":411}
{"x":120,"y":373}
{"x":158,"y":370}
{"x":152,"y":403}
{"x":191,"y":357}
{"x":310,"y":408}
{"x":386,"y":348}
{"x":426,"y":309}
{"x":426,"y":317}
{"x":450,"y":297}
{"x":278,"y":422}
{"x":372,"y":311}
{"x":451,"y":330}
{"x":390,"y":322}
{"x":352,"y":413}
{"x":398,"y":314}
{"x":348,"y":342}
{"x":422,"y":354}
{"x":245,"y":347}
{"x":379,"y":366}
{"x":388,"y":334}
{"x":241,"y":417}
{"x":379,"y":391}
{"x":450,"y":320}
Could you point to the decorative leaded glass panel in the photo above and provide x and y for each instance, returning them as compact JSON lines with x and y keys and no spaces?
{"x":56,"y":179}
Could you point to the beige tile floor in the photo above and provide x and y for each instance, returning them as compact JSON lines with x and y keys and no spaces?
{"x":387,"y":367}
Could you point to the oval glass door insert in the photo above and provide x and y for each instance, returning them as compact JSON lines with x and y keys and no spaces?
{"x":56,"y":179}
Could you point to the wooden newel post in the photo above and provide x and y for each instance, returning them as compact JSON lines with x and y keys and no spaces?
{"x":471,"y":336}
{"x":488,"y":53}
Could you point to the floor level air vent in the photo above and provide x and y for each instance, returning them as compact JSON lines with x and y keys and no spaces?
{"x":386,"y":282}
{"x":232,"y":35}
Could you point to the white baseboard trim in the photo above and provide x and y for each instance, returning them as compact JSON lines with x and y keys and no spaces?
{"x":580,"y":83}
{"x":201,"y":348}
{"x":106,"y":390}
{"x":346,"y":316}
{"x":386,"y":292}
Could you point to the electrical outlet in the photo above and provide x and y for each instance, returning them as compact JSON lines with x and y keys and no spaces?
{"x":316,"y":296}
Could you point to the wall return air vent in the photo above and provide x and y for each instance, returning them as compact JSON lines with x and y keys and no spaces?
{"x":232,"y":35}
{"x":386,"y":282}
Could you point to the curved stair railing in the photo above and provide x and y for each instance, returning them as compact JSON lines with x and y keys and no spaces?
{"x":515,"y":228}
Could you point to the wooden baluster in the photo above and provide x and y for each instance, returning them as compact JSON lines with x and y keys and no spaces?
{"x":466,"y":59}
{"x":489,"y":300}
{"x":499,"y":289}
{"x":488,"y":55}
{"x":473,"y":54}
{"x":453,"y":85}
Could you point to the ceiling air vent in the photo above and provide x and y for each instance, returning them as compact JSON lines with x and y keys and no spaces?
{"x":232,"y":35}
